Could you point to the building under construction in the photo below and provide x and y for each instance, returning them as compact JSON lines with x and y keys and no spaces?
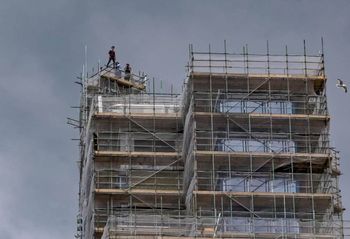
{"x":242,"y":152}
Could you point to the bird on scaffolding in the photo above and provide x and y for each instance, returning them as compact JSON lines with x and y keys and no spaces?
{"x":340,"y":84}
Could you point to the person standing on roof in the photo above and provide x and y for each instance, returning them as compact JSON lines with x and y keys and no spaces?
{"x":111,"y":54}
{"x":127,"y":71}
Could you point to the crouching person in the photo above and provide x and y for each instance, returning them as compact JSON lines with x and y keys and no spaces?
{"x":127,"y":71}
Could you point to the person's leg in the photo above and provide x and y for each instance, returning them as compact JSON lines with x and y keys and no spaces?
{"x":109,"y":61}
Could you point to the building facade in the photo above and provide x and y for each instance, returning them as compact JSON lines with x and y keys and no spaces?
{"x":242,"y":152}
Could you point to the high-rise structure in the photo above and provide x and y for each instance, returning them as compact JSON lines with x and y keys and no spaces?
{"x":242,"y":152}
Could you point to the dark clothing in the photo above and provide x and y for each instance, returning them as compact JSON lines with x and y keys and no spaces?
{"x":109,"y":61}
{"x":127,"y":70}
{"x":111,"y":54}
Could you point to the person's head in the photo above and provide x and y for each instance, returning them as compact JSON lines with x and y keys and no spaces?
{"x":112,"y":47}
{"x":127,"y":64}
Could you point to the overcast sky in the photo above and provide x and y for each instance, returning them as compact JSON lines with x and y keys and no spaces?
{"x":42,"y":51}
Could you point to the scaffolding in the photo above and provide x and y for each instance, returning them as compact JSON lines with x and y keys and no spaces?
{"x":242,"y":152}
